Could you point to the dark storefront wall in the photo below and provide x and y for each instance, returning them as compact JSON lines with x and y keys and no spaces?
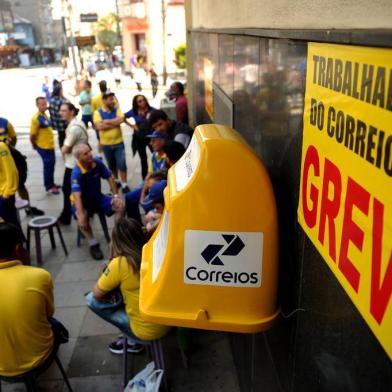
{"x":320,"y":343}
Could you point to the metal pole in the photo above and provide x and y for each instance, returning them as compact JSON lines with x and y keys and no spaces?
{"x":164,"y":41}
{"x":72,"y":42}
{"x":119,"y":31}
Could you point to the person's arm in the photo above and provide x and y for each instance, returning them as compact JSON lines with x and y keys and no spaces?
{"x":108,"y":281}
{"x":115,"y":122}
{"x":112,"y":185}
{"x":34,"y":129}
{"x":81,"y":213}
{"x":98,"y":293}
{"x":84,"y":101}
{"x":7,"y":166}
{"x":11,"y":134}
{"x":70,"y":140}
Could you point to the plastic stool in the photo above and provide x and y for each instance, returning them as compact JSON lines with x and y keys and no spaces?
{"x":42,"y":223}
{"x":102,"y":219}
{"x":30,"y":380}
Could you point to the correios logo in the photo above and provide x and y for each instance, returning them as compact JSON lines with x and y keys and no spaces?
{"x":222,"y":258}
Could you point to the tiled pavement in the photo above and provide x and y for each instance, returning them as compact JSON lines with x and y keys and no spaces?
{"x":86,"y":358}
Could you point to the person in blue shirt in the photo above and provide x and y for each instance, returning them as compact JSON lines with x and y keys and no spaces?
{"x":87,"y":198}
{"x":140,"y":113}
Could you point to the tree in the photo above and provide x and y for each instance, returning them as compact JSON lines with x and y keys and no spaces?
{"x":180,"y":56}
{"x":107,"y":33}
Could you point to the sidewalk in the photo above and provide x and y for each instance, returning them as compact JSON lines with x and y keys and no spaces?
{"x":86,"y":358}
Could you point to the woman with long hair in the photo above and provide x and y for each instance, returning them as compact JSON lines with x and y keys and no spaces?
{"x":140,"y":113}
{"x":115,"y":296}
{"x":75,"y":133}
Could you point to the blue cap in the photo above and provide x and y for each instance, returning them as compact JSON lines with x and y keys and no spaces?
{"x":155,"y":194}
{"x":156,"y":134}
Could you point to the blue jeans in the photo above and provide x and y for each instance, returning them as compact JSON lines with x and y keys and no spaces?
{"x":48,"y":160}
{"x":87,"y":118}
{"x":115,"y":157}
{"x":112,"y":313}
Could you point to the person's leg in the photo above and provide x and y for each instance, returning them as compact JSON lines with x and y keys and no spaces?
{"x":61,"y":135}
{"x":46,"y":161}
{"x":119,"y":153}
{"x":113,"y":313}
{"x":8,"y":210}
{"x":65,"y":216}
{"x":132,"y":200}
{"x":85,"y":119}
{"x":143,"y":157}
{"x":110,"y":157}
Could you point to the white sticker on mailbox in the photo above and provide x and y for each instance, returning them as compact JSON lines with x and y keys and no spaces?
{"x":219,"y":258}
{"x":159,"y":247}
{"x":186,"y":166}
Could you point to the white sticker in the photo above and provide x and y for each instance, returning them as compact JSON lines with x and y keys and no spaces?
{"x":219,"y":258}
{"x":187,"y":165}
{"x":159,"y":247}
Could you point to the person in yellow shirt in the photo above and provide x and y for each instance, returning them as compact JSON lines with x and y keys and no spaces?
{"x":42,"y":140}
{"x":28,"y":337}
{"x":123,"y":273}
{"x":7,"y":131}
{"x":8,"y":135}
{"x":107,"y":120}
{"x":9,"y":180}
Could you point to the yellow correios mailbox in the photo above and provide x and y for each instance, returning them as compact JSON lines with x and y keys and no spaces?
{"x":213,"y":261}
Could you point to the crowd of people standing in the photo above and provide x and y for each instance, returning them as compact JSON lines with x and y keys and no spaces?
{"x":137,"y":212}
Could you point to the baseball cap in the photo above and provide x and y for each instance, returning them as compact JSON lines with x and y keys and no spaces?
{"x":108,"y":94}
{"x":156,"y":134}
{"x":155,"y":195}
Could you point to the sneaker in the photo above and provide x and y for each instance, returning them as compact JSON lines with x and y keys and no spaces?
{"x":95,"y":252}
{"x":53,"y":190}
{"x":118,"y":347}
{"x":118,"y":183}
{"x":125,"y":189}
{"x":34,"y":211}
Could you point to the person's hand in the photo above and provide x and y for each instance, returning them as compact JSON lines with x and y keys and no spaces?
{"x":117,"y":204}
{"x":83,"y":221}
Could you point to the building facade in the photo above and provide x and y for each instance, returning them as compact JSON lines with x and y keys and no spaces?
{"x":255,"y":55}
{"x":39,"y":13}
{"x":143,"y":25}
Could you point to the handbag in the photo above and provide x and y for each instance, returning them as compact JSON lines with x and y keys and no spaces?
{"x":147,"y":380}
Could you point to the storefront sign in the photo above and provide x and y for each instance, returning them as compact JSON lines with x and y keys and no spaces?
{"x":345,"y":204}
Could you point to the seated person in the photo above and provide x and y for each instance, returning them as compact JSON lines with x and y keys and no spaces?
{"x":173,"y":151}
{"x":158,"y":158}
{"x":173,"y":130}
{"x":87,"y":197}
{"x":123,"y":274}
{"x":9,"y":179}
{"x":137,"y":197}
{"x":155,"y":197}
{"x":28,"y":333}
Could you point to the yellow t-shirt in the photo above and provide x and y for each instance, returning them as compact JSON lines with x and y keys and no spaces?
{"x":8,"y":132}
{"x":110,"y":136}
{"x":9,"y":177}
{"x":40,"y":126}
{"x":26,"y":302}
{"x":120,"y":274}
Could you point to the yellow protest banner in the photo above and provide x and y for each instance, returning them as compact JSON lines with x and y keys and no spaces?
{"x":345,"y":204}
